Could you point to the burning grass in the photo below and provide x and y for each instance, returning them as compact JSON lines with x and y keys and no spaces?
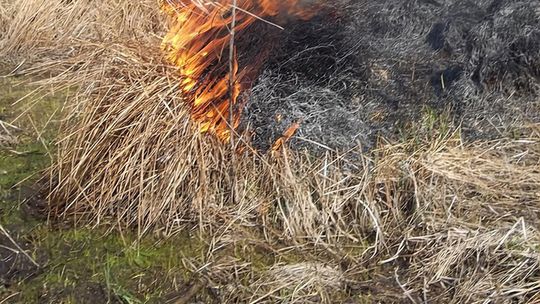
{"x":428,"y":217}
{"x":198,"y":43}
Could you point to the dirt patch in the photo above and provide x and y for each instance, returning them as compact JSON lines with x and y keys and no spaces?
{"x":84,"y":293}
{"x":15,"y":266}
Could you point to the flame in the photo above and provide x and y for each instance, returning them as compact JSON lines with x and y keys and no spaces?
{"x":286,"y":136}
{"x":198,"y":44}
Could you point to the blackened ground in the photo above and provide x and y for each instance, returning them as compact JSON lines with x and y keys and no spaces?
{"x":373,"y":67}
{"x":14,"y":265}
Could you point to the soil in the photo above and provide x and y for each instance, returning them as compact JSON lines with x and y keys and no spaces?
{"x":84,"y":293}
{"x":14,"y":265}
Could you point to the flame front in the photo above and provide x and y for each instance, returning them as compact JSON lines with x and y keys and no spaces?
{"x":198,"y":44}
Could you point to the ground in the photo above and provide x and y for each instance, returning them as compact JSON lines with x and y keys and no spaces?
{"x":147,"y":209}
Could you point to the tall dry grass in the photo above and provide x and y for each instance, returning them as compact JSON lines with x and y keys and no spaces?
{"x":32,"y":28}
{"x":426,"y":219}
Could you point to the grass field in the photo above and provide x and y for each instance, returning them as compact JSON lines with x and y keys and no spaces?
{"x":110,"y":194}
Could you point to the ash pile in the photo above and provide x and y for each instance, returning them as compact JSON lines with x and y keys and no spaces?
{"x":363,"y":69}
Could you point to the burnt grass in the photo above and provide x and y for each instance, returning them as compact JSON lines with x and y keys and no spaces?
{"x":364,"y":69}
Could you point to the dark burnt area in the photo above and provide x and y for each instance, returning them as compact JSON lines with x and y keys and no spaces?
{"x":306,"y":55}
{"x":315,"y":51}
{"x":441,"y":80}
{"x":435,"y":37}
{"x":363,"y":69}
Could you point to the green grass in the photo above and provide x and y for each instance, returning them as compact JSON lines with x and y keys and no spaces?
{"x":126,"y":268}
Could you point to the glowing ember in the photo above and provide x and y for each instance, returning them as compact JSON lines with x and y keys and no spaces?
{"x":198,"y":44}
{"x":286,"y":136}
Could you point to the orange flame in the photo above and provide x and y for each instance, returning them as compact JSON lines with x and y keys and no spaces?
{"x":197,"y":43}
{"x":286,"y":136}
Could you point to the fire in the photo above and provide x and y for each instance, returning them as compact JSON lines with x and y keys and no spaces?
{"x":286,"y":136}
{"x":198,"y":44}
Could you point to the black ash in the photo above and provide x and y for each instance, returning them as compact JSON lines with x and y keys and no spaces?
{"x":373,"y":66}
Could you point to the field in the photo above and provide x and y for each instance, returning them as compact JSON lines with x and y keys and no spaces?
{"x":110,"y":192}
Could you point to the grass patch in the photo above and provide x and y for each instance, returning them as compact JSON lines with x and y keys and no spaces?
{"x":165,"y":211}
{"x":89,"y":265}
{"x":124,"y":267}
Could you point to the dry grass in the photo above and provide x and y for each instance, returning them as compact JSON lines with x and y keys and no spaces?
{"x":429,"y":219}
{"x":35,"y":27}
{"x":7,"y":138}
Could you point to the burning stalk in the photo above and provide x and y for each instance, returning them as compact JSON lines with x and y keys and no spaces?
{"x":231,"y":71}
{"x":286,"y":136}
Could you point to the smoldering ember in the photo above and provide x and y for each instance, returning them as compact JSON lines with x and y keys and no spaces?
{"x":265,"y":151}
